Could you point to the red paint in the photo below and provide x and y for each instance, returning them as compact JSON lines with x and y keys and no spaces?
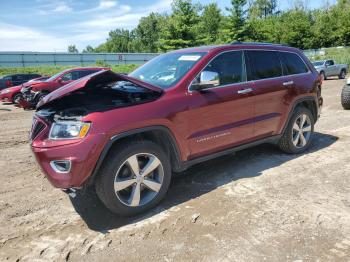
{"x":201,"y":122}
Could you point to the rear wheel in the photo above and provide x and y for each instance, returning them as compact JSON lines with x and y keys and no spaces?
{"x":342,"y":74}
{"x":299,"y":132}
{"x":135,"y":177}
{"x":345,"y":97}
{"x":323,"y":75}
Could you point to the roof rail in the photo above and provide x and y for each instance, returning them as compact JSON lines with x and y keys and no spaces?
{"x":255,"y":43}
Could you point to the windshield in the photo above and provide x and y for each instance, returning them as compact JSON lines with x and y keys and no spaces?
{"x":166,"y":70}
{"x":318,"y":63}
{"x":54,"y":76}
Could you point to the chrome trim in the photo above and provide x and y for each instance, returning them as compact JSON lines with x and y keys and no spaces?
{"x":245,"y":68}
{"x":245,"y":91}
{"x":53,"y":166}
{"x":288,"y":83}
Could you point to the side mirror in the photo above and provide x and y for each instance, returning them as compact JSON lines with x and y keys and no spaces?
{"x":207,"y":79}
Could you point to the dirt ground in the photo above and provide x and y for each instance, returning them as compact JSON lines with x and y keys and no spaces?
{"x":258,"y":205}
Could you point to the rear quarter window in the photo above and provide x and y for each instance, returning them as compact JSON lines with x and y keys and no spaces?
{"x":263,"y":64}
{"x":292,"y":64}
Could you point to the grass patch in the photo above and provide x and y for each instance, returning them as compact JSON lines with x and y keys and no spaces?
{"x":339,"y":55}
{"x":51,"y":70}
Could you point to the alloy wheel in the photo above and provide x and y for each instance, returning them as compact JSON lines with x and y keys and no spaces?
{"x":301,"y":131}
{"x":139,"y":179}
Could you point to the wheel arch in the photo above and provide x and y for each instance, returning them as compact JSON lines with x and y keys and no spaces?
{"x":309,"y":102}
{"x":158,"y":134}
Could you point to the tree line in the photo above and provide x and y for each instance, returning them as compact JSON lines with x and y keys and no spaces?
{"x":192,"y":24}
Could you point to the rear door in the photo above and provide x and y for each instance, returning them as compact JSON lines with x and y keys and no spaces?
{"x":270,"y":90}
{"x":222,"y":116}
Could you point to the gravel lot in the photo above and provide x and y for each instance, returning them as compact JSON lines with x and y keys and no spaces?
{"x":258,"y":205}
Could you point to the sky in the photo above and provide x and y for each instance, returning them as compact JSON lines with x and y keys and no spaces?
{"x":52,"y":25}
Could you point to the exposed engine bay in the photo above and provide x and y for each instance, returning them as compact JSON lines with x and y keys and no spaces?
{"x":96,"y":96}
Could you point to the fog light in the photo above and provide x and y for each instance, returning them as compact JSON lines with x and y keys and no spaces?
{"x":61,"y":166}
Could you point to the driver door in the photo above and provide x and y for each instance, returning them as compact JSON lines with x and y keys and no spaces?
{"x":221,"y":116}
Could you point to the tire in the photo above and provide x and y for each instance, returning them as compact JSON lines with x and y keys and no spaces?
{"x":290,"y":134}
{"x":342,"y":74}
{"x":16,"y":97}
{"x":323,"y":75}
{"x":117,"y":165}
{"x":345,"y":97}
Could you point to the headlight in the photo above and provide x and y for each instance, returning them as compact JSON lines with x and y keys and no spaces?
{"x":68,"y":130}
{"x":5,"y":91}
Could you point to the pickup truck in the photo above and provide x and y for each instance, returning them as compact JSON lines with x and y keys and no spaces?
{"x":327,"y":68}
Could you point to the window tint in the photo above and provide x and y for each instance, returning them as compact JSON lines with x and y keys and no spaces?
{"x":229,"y":66}
{"x":292,"y":64}
{"x":329,"y":62}
{"x":264,"y":64}
{"x":87,"y":72}
{"x":74,"y":75}
{"x":17,"y":77}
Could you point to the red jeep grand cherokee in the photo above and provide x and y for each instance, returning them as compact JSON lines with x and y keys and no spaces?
{"x":127,"y":134}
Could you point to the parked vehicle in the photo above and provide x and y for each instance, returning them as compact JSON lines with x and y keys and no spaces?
{"x":327,"y":68}
{"x":345,"y":95}
{"x":126,"y":134}
{"x":32,"y":92}
{"x":16,"y":79}
{"x":13,"y":94}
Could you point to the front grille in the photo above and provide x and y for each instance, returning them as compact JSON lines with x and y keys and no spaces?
{"x":37,"y":127}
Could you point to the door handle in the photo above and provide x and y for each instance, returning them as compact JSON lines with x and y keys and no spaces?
{"x":288,"y":83}
{"x":245,"y":91}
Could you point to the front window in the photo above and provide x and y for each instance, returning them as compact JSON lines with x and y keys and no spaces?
{"x":318,"y":63}
{"x":166,"y":70}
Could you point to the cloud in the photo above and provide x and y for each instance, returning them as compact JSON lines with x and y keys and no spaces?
{"x":52,"y":7}
{"x":107,"y":4}
{"x":63,"y":7}
{"x":70,"y":25}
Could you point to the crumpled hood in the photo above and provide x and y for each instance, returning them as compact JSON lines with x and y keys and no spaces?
{"x":103,"y":76}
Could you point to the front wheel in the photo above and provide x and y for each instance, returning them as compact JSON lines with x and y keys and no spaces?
{"x":342,"y":74}
{"x":134,"y":177}
{"x":16,"y":98}
{"x":299,"y":132}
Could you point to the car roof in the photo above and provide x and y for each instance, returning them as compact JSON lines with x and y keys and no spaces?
{"x":238,"y":45}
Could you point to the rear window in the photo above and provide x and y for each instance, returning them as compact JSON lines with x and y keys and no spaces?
{"x":292,"y":64}
{"x":263,"y":64}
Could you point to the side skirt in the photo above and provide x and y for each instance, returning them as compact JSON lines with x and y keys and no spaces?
{"x":268,"y":140}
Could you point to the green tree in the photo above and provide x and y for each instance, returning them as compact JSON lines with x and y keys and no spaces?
{"x":236,"y":21}
{"x":210,"y":24}
{"x":72,"y":49}
{"x":262,"y":8}
{"x":148,"y":32}
{"x":89,"y":49}
{"x":118,"y":41}
{"x":181,"y":28}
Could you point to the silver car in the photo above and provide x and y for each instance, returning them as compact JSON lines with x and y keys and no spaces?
{"x":327,"y":68}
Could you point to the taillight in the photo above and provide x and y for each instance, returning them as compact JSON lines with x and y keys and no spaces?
{"x":8,"y":83}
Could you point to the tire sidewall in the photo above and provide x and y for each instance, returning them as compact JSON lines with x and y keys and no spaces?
{"x":116,"y":159}
{"x":15,"y":96}
{"x":289,"y":131}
